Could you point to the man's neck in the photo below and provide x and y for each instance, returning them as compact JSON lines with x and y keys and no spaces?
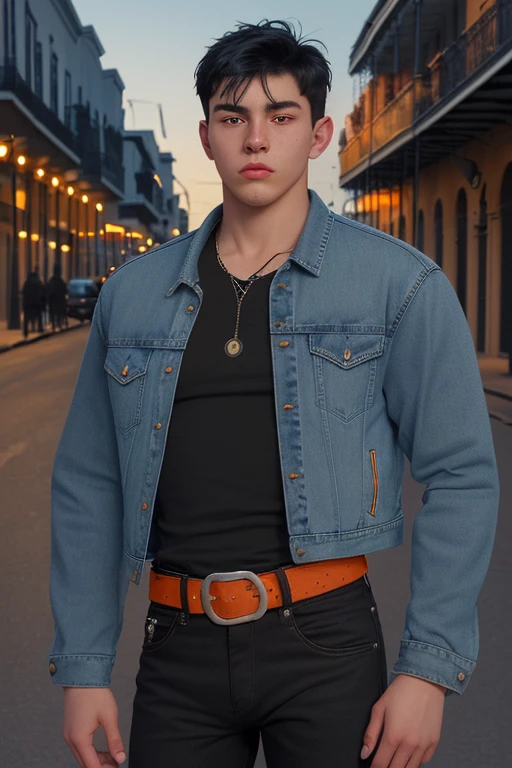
{"x":249,"y":235}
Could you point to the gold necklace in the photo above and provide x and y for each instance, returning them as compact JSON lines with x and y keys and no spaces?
{"x":233,"y":347}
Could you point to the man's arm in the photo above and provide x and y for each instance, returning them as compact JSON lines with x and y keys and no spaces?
{"x":87,"y":583}
{"x":435,"y":397}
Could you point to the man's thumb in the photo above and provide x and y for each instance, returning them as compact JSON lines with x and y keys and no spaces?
{"x":372,"y":733}
{"x":114,"y":741}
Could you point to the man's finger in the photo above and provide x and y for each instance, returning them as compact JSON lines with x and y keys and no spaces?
{"x":384,"y":754}
{"x":75,"y":754}
{"x":114,"y":740}
{"x":373,"y":731}
{"x":106,"y":759}
{"x":88,"y":755}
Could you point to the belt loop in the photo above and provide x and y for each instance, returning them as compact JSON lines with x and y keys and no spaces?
{"x":285,"y":587}
{"x":184,"y":614}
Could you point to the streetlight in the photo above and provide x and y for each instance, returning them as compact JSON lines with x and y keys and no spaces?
{"x":98,"y":210}
{"x":66,"y":249}
{"x":14,"y":304}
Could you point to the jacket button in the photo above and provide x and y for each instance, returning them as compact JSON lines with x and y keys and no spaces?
{"x":134,"y":575}
{"x":281,"y":285}
{"x":125,"y":371}
{"x":144,"y":506}
{"x":168,"y":369}
{"x":158,"y":426}
{"x":283,"y":343}
{"x":52,"y":668}
{"x":279,"y":322}
{"x":347,"y":354}
{"x":190,"y":308}
{"x":287,"y":406}
{"x":461,"y":676}
{"x":301,"y":551}
{"x":293,"y":475}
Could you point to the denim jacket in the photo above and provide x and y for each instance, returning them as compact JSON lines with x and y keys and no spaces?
{"x":372,"y":349}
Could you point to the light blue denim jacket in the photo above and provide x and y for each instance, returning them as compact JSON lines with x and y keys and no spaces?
{"x":372,"y":349}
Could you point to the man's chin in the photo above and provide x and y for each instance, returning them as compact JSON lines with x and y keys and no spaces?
{"x":256,"y":195}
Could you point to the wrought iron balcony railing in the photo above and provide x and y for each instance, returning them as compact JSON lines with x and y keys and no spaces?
{"x":445,"y":76}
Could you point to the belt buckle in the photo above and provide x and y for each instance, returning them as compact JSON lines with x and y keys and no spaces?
{"x":233,"y":576}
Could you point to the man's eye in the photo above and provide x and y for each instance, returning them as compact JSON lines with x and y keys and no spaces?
{"x":282,"y":118}
{"x":231,"y":118}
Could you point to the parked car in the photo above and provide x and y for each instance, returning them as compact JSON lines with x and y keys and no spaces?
{"x":82,"y":297}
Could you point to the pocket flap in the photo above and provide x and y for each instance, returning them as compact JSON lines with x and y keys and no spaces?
{"x":347,"y":349}
{"x":126,"y":364}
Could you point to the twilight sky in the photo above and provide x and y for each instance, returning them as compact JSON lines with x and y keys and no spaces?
{"x":156,"y":45}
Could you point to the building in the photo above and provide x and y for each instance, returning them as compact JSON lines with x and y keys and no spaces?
{"x":74,"y":185}
{"x":426,"y":153}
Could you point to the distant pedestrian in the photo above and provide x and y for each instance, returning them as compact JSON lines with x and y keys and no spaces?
{"x":57,"y":306}
{"x":33,"y":296}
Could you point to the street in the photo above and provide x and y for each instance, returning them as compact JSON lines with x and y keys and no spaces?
{"x":37,"y":383}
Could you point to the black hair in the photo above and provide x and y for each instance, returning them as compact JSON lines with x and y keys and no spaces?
{"x":267,"y":48}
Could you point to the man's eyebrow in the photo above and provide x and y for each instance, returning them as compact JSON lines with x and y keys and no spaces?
{"x":272,"y":106}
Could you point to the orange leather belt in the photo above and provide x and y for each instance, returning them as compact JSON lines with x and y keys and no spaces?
{"x":233,"y":594}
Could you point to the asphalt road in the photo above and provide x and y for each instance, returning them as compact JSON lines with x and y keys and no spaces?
{"x":36,"y":385}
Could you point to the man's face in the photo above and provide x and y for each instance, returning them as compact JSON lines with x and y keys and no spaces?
{"x":280,"y":136}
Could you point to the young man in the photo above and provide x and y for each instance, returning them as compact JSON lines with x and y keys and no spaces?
{"x":300,"y":355}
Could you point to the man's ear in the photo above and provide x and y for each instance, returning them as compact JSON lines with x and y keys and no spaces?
{"x":322,"y":135}
{"x":205,"y":141}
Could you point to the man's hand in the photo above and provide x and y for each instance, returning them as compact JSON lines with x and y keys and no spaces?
{"x":411,"y":711}
{"x":85,"y":710}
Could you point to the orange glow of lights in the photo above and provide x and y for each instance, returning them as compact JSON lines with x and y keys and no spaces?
{"x":22,"y":235}
{"x":22,"y":160}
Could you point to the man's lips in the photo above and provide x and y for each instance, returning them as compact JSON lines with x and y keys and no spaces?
{"x":256,"y":171}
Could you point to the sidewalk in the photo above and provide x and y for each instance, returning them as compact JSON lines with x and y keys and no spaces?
{"x":12,"y":339}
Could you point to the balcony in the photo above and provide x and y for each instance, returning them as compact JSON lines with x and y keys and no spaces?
{"x":444,"y":77}
{"x":99,"y":167}
{"x":12,"y":82}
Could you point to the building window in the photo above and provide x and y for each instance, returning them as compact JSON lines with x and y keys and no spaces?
{"x":420,"y":237}
{"x":438,"y":233}
{"x":67,"y":99}
{"x":54,"y":83}
{"x":30,"y":43}
{"x":38,"y":71}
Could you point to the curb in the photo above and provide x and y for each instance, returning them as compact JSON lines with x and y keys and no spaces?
{"x":496,"y":393}
{"x":45,"y":335}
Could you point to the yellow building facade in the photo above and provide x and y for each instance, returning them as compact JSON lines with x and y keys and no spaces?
{"x":426,"y":154}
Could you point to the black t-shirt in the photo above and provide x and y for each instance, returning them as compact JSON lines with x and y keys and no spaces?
{"x":220,"y":503}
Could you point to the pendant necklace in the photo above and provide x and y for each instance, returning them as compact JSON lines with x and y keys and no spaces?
{"x":233,"y":347}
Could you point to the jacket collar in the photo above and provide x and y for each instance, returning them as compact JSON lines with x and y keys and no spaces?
{"x":308,"y":253}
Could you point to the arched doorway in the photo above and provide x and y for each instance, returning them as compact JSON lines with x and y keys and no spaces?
{"x":438,"y":233}
{"x":462,"y":247}
{"x":506,"y":263}
{"x":482,"y":271}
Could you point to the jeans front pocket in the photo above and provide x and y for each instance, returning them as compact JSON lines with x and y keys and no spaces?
{"x":159,"y":627}
{"x":337,"y":623}
{"x":126,"y":368}
{"x":345,"y":371}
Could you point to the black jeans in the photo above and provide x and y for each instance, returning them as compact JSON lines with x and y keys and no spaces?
{"x":305,"y":678}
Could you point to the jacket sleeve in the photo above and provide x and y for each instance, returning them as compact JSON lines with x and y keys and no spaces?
{"x":87,"y":583}
{"x":434,"y":395}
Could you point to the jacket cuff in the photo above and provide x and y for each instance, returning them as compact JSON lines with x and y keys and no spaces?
{"x":81,"y":670}
{"x":433,"y":663}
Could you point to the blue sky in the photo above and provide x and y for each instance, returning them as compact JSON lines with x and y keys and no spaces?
{"x":157,"y":44}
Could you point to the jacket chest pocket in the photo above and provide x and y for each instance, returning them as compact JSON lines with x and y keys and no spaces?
{"x":345,"y":369}
{"x":126,"y":370}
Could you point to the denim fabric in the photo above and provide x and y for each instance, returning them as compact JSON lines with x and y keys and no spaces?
{"x":372,"y":349}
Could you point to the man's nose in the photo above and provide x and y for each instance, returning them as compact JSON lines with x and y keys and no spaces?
{"x":256,"y":141}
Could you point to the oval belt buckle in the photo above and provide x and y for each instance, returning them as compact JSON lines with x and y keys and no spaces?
{"x":233,"y":576}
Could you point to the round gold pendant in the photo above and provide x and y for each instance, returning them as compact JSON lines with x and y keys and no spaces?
{"x":233,"y":347}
